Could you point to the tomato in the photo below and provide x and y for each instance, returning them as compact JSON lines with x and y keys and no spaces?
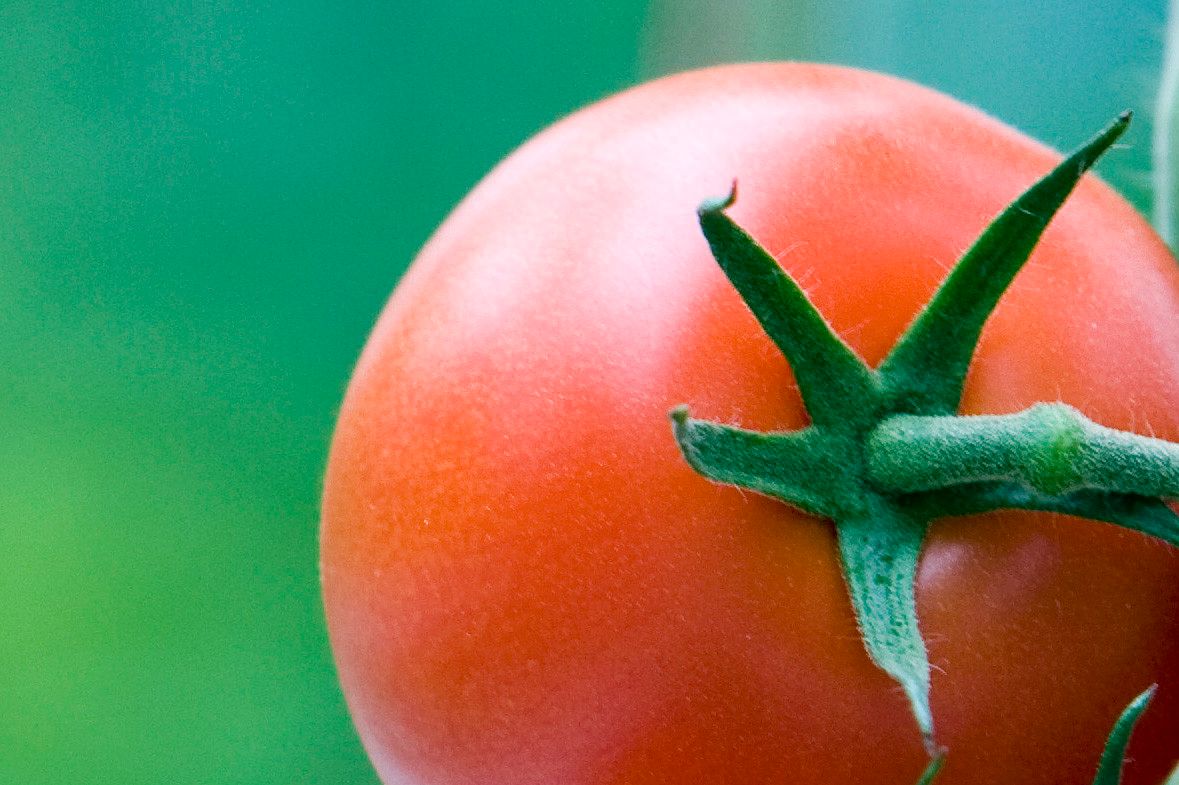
{"x":526,"y":583}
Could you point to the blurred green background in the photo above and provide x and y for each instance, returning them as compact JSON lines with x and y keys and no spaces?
{"x":203,"y":206}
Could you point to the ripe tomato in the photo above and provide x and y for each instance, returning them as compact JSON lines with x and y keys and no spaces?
{"x":524,"y":581}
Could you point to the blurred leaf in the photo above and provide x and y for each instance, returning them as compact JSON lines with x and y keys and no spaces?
{"x":1165,"y":164}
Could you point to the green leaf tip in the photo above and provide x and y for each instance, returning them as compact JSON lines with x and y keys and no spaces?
{"x":886,"y":453}
{"x":720,"y":203}
{"x":933,"y":769}
{"x":1109,"y":771}
{"x":793,"y":467}
{"x":821,"y":361}
{"x":926,"y":369}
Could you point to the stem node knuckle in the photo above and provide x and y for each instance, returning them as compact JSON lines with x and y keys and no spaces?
{"x":1052,"y":463}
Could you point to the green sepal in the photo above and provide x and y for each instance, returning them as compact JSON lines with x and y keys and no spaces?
{"x":1145,"y":514}
{"x":793,"y":467}
{"x":833,"y":381}
{"x":879,"y":553}
{"x":925,"y":371}
{"x":1109,"y":771}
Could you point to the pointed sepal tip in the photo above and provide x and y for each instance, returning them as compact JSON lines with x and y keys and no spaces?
{"x":720,"y":203}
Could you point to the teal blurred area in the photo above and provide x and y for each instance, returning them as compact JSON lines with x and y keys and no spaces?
{"x":203,"y":207}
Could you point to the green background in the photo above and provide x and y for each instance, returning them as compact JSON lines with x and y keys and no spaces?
{"x":203,"y":207}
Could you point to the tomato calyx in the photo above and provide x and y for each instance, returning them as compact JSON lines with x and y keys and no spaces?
{"x":886,"y":454}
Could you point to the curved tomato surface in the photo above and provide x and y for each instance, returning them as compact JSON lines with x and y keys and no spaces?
{"x":524,"y":581}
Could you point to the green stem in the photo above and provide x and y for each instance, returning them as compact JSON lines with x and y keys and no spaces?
{"x":1051,"y":448}
{"x":1165,"y":128}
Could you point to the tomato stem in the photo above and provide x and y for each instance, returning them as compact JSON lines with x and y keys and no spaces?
{"x":885,"y":454}
{"x":1051,"y":448}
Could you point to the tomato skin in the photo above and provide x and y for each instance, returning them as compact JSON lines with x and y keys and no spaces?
{"x":524,"y":581}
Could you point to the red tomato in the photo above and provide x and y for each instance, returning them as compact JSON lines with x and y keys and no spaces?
{"x":524,"y":581}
